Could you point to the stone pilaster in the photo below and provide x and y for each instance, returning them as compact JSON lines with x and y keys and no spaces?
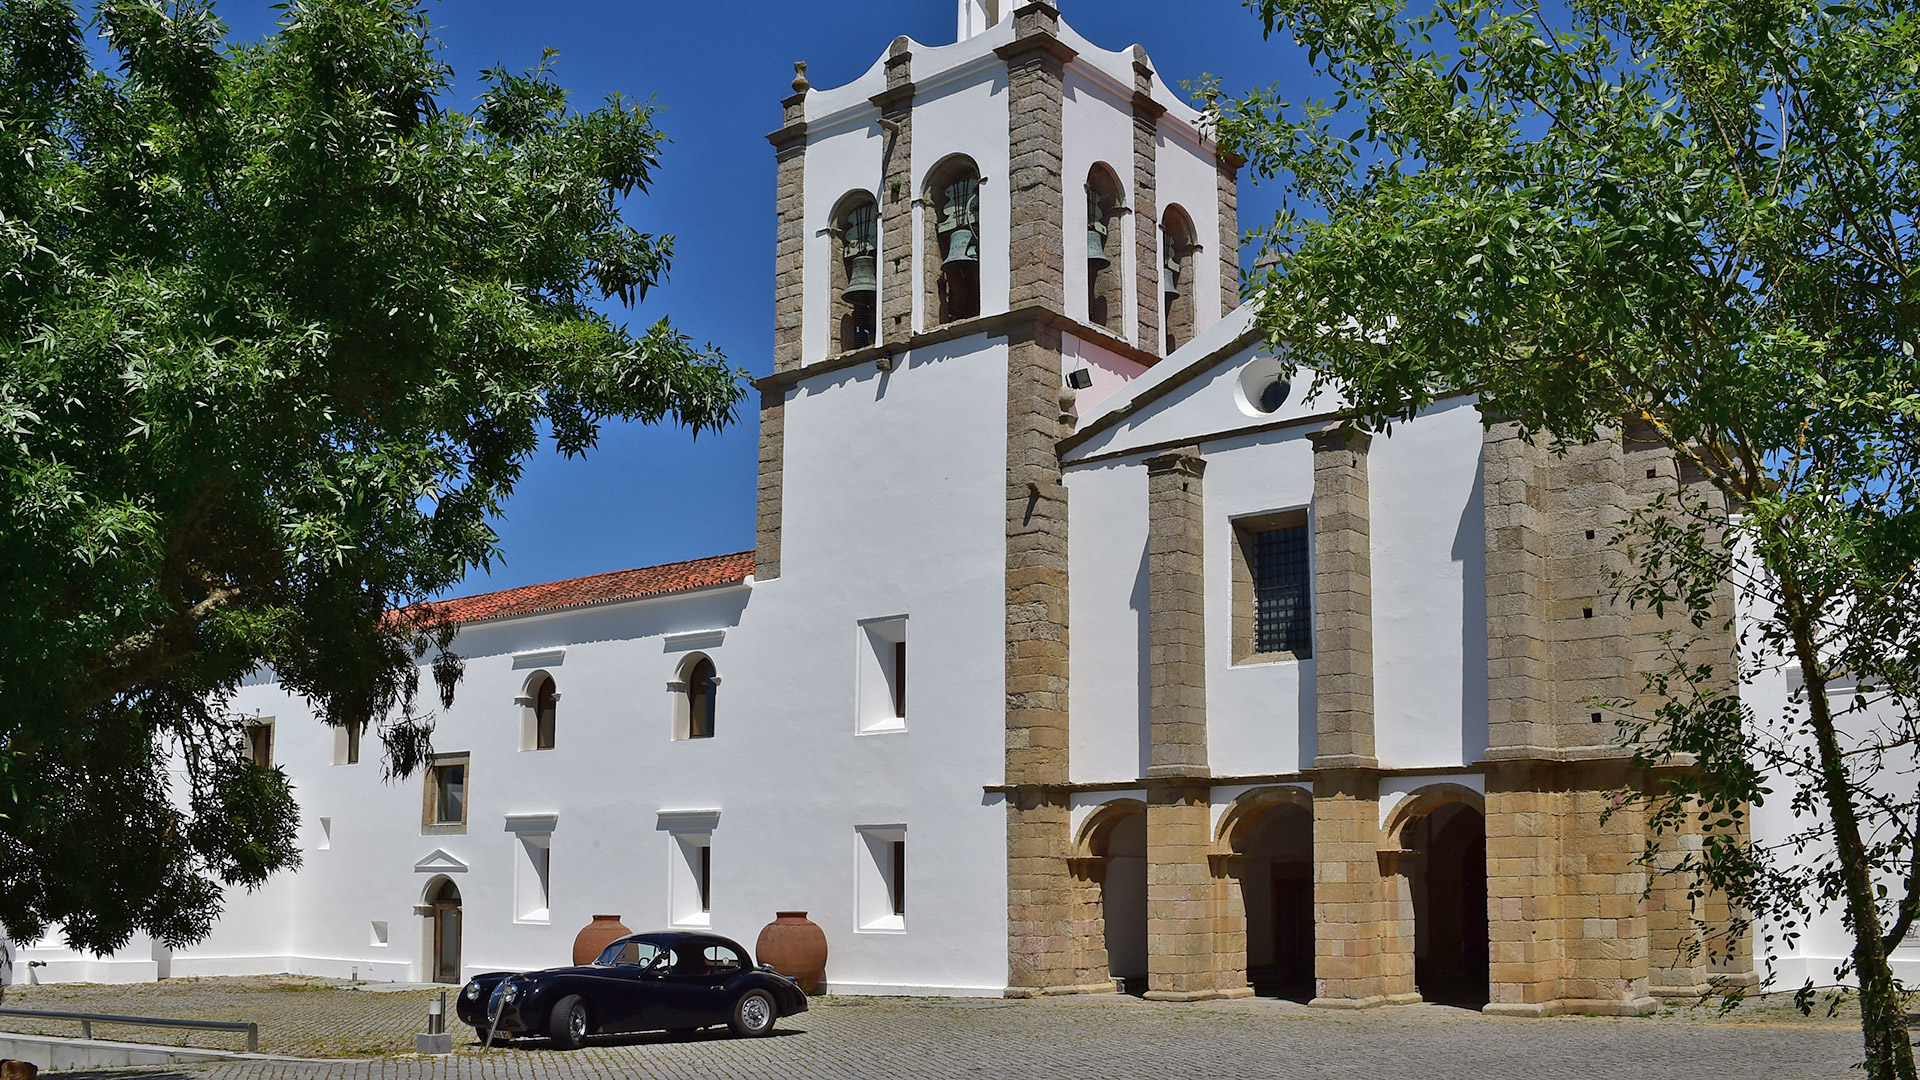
{"x":1040,"y":946}
{"x":1146,"y":207}
{"x":771,"y":490}
{"x":1362,"y":957}
{"x":1342,"y":600}
{"x":896,"y":197}
{"x":1176,"y":620}
{"x":1189,"y":922}
{"x":1227,"y":188}
{"x":1036,"y":62}
{"x":789,"y":254}
{"x":1524,"y":899}
{"x":789,"y":260}
{"x":1589,"y":631}
{"x":1519,"y":720}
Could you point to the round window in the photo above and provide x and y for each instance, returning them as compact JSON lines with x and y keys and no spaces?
{"x":1275,"y":395}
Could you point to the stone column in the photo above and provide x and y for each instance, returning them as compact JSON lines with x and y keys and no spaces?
{"x":1176,"y":615}
{"x":1040,"y":891}
{"x":1188,"y":921}
{"x":1342,"y":600}
{"x":789,"y":261}
{"x":1146,"y":207}
{"x":1361,"y":958}
{"x":898,"y":283}
{"x":1036,"y":63}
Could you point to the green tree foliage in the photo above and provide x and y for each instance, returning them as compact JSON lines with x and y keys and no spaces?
{"x":1693,"y":215}
{"x":279,"y":332}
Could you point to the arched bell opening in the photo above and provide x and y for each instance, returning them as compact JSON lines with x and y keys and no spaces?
{"x":1106,"y":263}
{"x":441,"y":902}
{"x":1446,"y":873}
{"x":952,"y":240}
{"x":1177,"y":249}
{"x":855,"y":271}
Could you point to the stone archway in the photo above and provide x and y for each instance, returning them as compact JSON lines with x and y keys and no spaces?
{"x":442,"y":901}
{"x":1267,"y":838}
{"x":1442,"y":841}
{"x":1112,"y":856}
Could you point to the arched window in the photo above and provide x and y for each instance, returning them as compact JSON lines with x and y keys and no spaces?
{"x":952,"y":240}
{"x":546,"y":707}
{"x":855,"y":270}
{"x":700,"y":697}
{"x":694,"y":692}
{"x":1177,"y":247}
{"x":1106,"y":260}
{"x":539,"y":704}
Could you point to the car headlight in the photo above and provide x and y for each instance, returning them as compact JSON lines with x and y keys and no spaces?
{"x":508,"y":991}
{"x":472,"y":992}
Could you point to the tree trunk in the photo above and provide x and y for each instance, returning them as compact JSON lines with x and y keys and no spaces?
{"x":1883,"y":1020}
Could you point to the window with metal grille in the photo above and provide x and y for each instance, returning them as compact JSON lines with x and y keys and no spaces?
{"x":1282,"y":591}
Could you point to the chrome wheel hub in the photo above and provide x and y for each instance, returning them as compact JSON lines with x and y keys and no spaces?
{"x":755,"y":1012}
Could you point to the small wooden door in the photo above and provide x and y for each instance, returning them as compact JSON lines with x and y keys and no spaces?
{"x":1293,"y":927}
{"x":446,"y":941}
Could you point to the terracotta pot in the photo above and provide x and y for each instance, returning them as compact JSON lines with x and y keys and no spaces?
{"x":603,"y":931}
{"x":795,"y":947}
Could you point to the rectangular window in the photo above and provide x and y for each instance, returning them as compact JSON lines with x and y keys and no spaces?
{"x":260,"y":743}
{"x":880,"y":887}
{"x":691,"y":888}
{"x":531,"y":884}
{"x":346,"y":743}
{"x":446,"y":802}
{"x":379,"y":937}
{"x":882,"y":676}
{"x":900,"y":877}
{"x":1273,"y":588}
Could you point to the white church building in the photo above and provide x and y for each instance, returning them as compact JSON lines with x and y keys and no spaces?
{"x":1077,"y":651}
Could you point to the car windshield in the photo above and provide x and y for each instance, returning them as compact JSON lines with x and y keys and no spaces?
{"x":637,"y":953}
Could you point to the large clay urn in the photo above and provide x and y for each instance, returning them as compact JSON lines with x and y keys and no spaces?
{"x":795,"y":947}
{"x":603,"y":931}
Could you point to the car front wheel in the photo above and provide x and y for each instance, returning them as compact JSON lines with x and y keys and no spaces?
{"x":754,"y":1014}
{"x":568,"y":1025}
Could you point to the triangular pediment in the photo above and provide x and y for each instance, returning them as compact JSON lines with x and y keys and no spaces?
{"x":439,"y":862}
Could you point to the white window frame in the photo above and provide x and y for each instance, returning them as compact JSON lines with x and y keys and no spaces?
{"x":532,"y":867}
{"x":877,"y":708}
{"x":689,"y":832}
{"x":873,"y":879}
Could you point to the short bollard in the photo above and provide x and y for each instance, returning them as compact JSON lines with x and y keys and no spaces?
{"x":436,"y":1039}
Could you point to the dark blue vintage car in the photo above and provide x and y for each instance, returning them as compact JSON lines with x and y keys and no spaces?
{"x":646,"y":982}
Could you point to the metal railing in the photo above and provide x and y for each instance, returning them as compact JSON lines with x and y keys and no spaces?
{"x":87,"y":1020}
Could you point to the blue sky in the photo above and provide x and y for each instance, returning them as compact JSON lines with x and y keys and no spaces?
{"x":719,"y":70}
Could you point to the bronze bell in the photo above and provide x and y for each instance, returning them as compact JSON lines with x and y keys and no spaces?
{"x":1170,"y":274}
{"x":1096,"y":233}
{"x":962,"y":248}
{"x":861,"y":282}
{"x":857,"y":249}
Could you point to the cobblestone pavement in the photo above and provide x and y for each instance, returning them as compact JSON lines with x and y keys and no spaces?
{"x":1106,"y":1037}
{"x":297,"y":1015}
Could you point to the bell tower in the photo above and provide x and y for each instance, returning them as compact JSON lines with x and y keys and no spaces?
{"x":976,"y":241}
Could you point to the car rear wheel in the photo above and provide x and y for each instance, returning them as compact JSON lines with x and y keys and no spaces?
{"x":754,"y":1014}
{"x":568,"y":1025}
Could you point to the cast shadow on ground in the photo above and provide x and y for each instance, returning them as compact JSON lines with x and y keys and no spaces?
{"x":638,"y":1038}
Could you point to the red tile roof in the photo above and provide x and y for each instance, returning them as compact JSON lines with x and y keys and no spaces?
{"x":599,"y":589}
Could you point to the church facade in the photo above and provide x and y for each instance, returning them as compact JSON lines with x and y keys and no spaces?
{"x":1209,"y":695}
